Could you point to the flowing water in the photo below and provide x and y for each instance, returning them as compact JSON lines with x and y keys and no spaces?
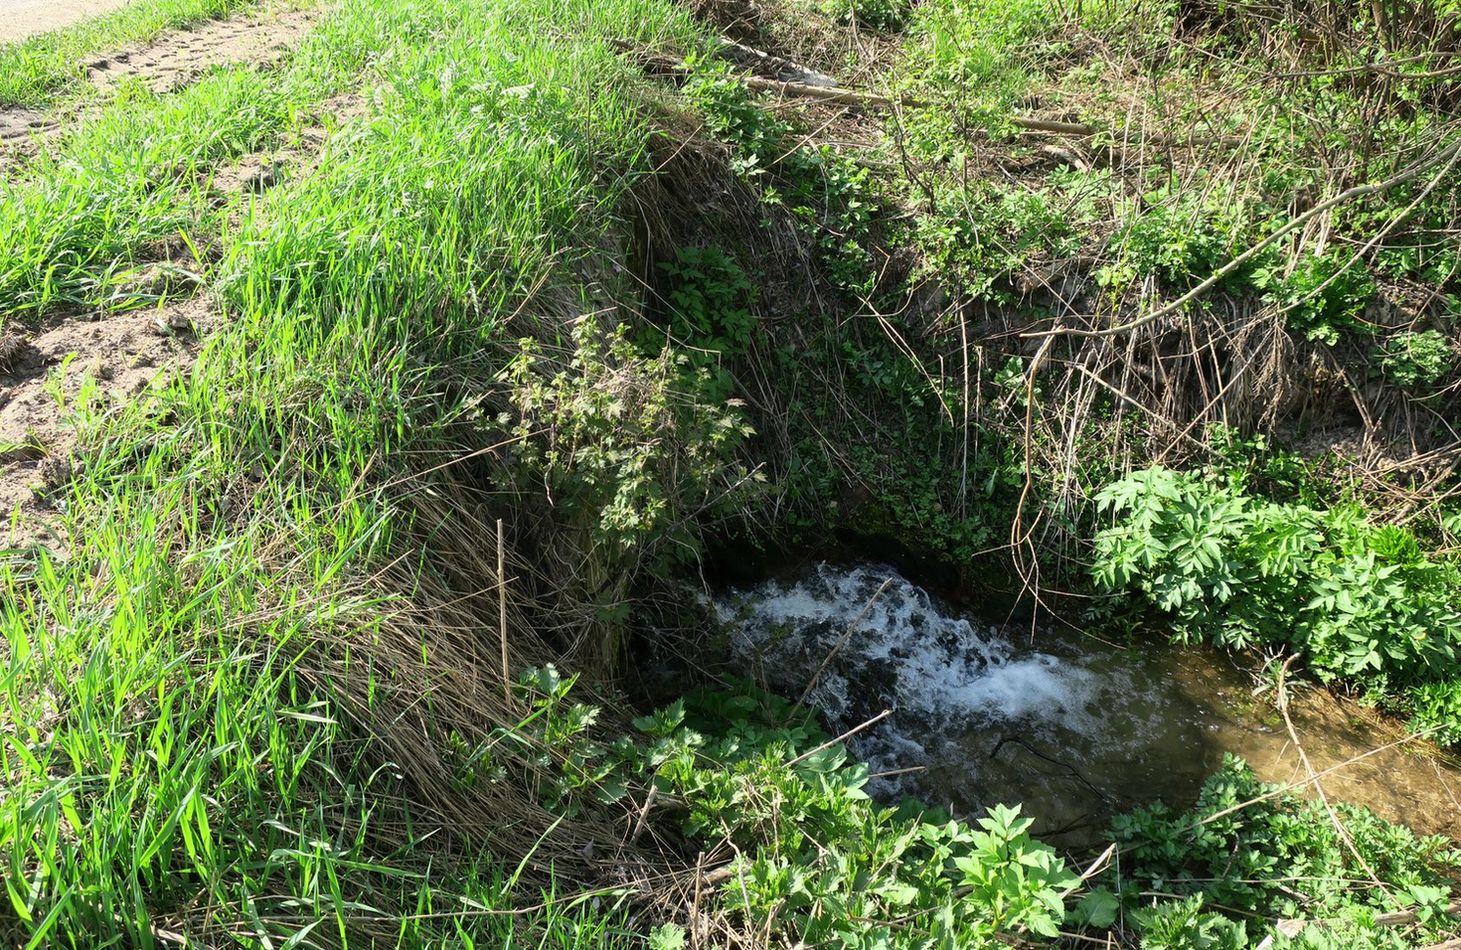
{"x":1075,"y":728}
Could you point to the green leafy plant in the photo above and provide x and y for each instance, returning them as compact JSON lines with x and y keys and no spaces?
{"x":1325,"y":296}
{"x":820,"y":863}
{"x":1180,"y":238}
{"x":709,"y":299}
{"x":885,"y":15}
{"x":832,"y":198}
{"x":1435,"y":709}
{"x":1416,"y":359}
{"x":597,"y":433}
{"x":1356,"y":599}
{"x":707,"y":306}
{"x":1249,"y":848}
{"x":1185,"y":925}
{"x":982,"y":235}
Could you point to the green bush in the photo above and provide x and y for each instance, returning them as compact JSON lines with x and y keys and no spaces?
{"x":1436,"y":710}
{"x":885,"y":15}
{"x":1357,"y":600}
{"x":709,"y":301}
{"x":979,"y":235}
{"x":1186,"y":925}
{"x":821,"y":864}
{"x":1324,"y":299}
{"x":1180,"y":239}
{"x":832,"y":198}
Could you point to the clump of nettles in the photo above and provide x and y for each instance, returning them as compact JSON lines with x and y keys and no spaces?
{"x":1416,"y":359}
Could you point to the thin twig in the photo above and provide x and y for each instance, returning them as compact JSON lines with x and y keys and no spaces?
{"x":1283,"y":708}
{"x":842,"y":641}
{"x":848,"y":734}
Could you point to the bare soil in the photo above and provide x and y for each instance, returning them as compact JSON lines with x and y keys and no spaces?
{"x":115,"y":358}
{"x":171,"y":61}
{"x":24,"y":18}
{"x":44,"y":376}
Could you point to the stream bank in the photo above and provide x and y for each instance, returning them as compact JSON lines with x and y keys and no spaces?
{"x":1074,"y":727}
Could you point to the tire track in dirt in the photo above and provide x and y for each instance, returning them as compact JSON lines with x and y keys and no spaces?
{"x":170,"y":62}
{"x":176,"y":59}
{"x":115,"y":358}
{"x":29,"y":17}
{"x":47,"y":374}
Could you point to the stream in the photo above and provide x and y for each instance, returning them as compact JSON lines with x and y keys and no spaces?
{"x":1073,"y":727}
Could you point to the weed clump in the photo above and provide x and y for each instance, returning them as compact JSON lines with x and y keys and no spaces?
{"x":1248,"y":851}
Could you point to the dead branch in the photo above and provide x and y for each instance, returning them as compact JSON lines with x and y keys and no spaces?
{"x":849,"y":97}
{"x":874,"y":100}
{"x":749,"y":56}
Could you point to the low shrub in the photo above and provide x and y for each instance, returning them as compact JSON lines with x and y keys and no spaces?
{"x":1251,"y":849}
{"x":1358,"y":600}
{"x":1416,"y":359}
{"x":887,"y":16}
{"x":1325,"y":296}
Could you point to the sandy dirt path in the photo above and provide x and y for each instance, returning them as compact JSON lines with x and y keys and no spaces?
{"x":21,"y":18}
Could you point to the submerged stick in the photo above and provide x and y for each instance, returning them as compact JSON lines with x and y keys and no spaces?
{"x":846,"y":735}
{"x":1283,"y":708}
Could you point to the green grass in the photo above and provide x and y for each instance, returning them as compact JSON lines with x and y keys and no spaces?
{"x":37,"y":68}
{"x":180,"y":758}
{"x":74,"y":228}
{"x":79,"y":219}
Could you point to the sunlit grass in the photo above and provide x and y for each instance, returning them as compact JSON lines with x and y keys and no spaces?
{"x":38,"y":67}
{"x":76,"y":220}
{"x":177,"y":764}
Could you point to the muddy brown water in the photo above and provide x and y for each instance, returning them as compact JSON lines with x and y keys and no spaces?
{"x":1074,"y":728}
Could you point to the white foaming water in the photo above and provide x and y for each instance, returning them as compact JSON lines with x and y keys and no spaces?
{"x":946,"y":679}
{"x":1074,"y":729}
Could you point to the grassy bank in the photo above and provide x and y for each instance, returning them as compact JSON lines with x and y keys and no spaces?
{"x":218,"y":698}
{"x":332,"y":657}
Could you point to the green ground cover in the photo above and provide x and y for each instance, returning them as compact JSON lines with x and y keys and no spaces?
{"x":260,"y":699}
